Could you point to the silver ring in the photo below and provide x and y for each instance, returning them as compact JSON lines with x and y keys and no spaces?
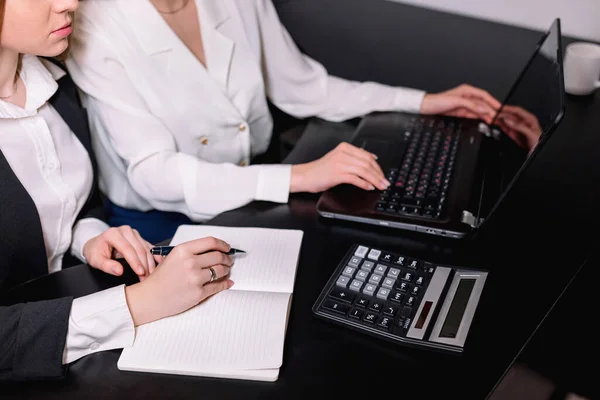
{"x":213,"y":274}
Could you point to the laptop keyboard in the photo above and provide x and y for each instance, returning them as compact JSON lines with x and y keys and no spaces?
{"x":420,"y":184}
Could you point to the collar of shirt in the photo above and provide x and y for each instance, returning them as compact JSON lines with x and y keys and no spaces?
{"x":40,"y":80}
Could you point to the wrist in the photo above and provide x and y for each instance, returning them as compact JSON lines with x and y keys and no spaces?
{"x":423,"y":101}
{"x":140,"y":308}
{"x":297,"y":180}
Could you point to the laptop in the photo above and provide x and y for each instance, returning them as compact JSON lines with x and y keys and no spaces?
{"x":448,"y":175}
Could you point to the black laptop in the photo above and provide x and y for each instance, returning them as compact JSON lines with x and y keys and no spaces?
{"x":449,"y":174}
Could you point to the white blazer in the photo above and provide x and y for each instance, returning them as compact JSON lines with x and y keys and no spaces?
{"x":173,"y":135}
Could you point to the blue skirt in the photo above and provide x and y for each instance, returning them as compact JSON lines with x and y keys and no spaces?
{"x":154,"y":226}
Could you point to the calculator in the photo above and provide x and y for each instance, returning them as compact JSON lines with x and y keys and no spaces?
{"x":402,"y":299}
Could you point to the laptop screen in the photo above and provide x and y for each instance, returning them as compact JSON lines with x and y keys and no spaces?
{"x":535,"y":102}
{"x":533,"y":108}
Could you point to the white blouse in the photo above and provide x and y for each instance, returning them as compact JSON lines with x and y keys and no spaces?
{"x":55,"y":169}
{"x":173,"y":135}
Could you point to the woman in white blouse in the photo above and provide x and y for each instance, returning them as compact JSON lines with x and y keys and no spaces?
{"x":51,"y":213}
{"x":177,"y":90}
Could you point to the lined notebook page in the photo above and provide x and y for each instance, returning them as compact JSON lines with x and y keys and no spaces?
{"x":271,"y":259}
{"x":233,"y":330}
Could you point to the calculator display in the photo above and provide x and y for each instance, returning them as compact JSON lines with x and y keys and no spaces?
{"x":457,"y":308}
{"x":424,"y":314}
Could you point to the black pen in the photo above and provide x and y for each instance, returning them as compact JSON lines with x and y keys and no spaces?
{"x":164,"y":250}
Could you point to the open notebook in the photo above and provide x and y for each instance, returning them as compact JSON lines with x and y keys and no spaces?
{"x":238,"y":333}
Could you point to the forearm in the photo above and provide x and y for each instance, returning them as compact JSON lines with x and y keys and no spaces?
{"x":32,"y":339}
{"x":172,"y":181}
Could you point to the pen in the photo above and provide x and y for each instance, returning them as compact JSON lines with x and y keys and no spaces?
{"x":164,"y":250}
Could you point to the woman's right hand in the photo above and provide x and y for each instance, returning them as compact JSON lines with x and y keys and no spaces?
{"x":344,"y":164}
{"x":181,"y":281}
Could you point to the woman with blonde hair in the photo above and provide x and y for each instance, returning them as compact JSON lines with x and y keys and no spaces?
{"x":52,"y":214}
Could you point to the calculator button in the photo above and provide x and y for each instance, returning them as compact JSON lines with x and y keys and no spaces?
{"x":391,"y":311}
{"x":375,"y":279}
{"x":336,"y":306}
{"x":384,"y":322}
{"x":361,"y":251}
{"x":400,"y":260}
{"x":356,"y":313}
{"x":370,"y":317}
{"x":380,"y":269}
{"x":376,"y":305}
{"x":394,"y":273}
{"x":402,"y":286}
{"x":414,"y":264}
{"x":369,"y":289}
{"x":419,"y":281}
{"x":349,"y":272}
{"x":415,"y":291}
{"x":342,"y":295}
{"x":361,"y":275}
{"x":410,"y":301}
{"x":407,"y":277}
{"x":406,"y":323}
{"x":386,"y":257}
{"x":388,"y":283}
{"x":362,"y":302}
{"x":367,"y":266}
{"x":397,"y":297}
{"x":383,"y":293}
{"x":374,"y":254}
{"x":406,"y":312}
{"x":342,"y":281}
{"x":354,"y":262}
{"x":430,"y":270}
{"x":356,"y":285}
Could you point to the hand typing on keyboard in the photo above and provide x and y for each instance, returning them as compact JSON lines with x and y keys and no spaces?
{"x":462,"y":101}
{"x":344,"y":164}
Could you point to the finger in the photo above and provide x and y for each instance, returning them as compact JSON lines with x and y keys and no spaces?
{"x":204,"y":245}
{"x":112,"y":267}
{"x":482,"y":95}
{"x":522,"y":128}
{"x":482,"y":111}
{"x":158,"y":259}
{"x":356,"y":181}
{"x":221,"y":271}
{"x":363,"y":170}
{"x":214,"y":258}
{"x":140,"y":250}
{"x":464,"y":113}
{"x":357,"y":151}
{"x":123,"y":246}
{"x":147,"y":250}
{"x":216,"y":287}
{"x":356,"y":156}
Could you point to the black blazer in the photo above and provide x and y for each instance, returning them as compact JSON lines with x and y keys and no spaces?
{"x":32,"y":335}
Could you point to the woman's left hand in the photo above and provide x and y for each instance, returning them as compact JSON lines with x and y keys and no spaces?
{"x":122,"y":242}
{"x":463,"y":101}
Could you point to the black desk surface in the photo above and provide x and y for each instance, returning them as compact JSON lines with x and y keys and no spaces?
{"x":534,"y":247}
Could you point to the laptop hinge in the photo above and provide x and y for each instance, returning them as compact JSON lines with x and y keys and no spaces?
{"x":469,"y":219}
{"x":489,"y":132}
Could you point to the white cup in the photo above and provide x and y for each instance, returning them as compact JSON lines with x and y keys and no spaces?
{"x":582,"y":68}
